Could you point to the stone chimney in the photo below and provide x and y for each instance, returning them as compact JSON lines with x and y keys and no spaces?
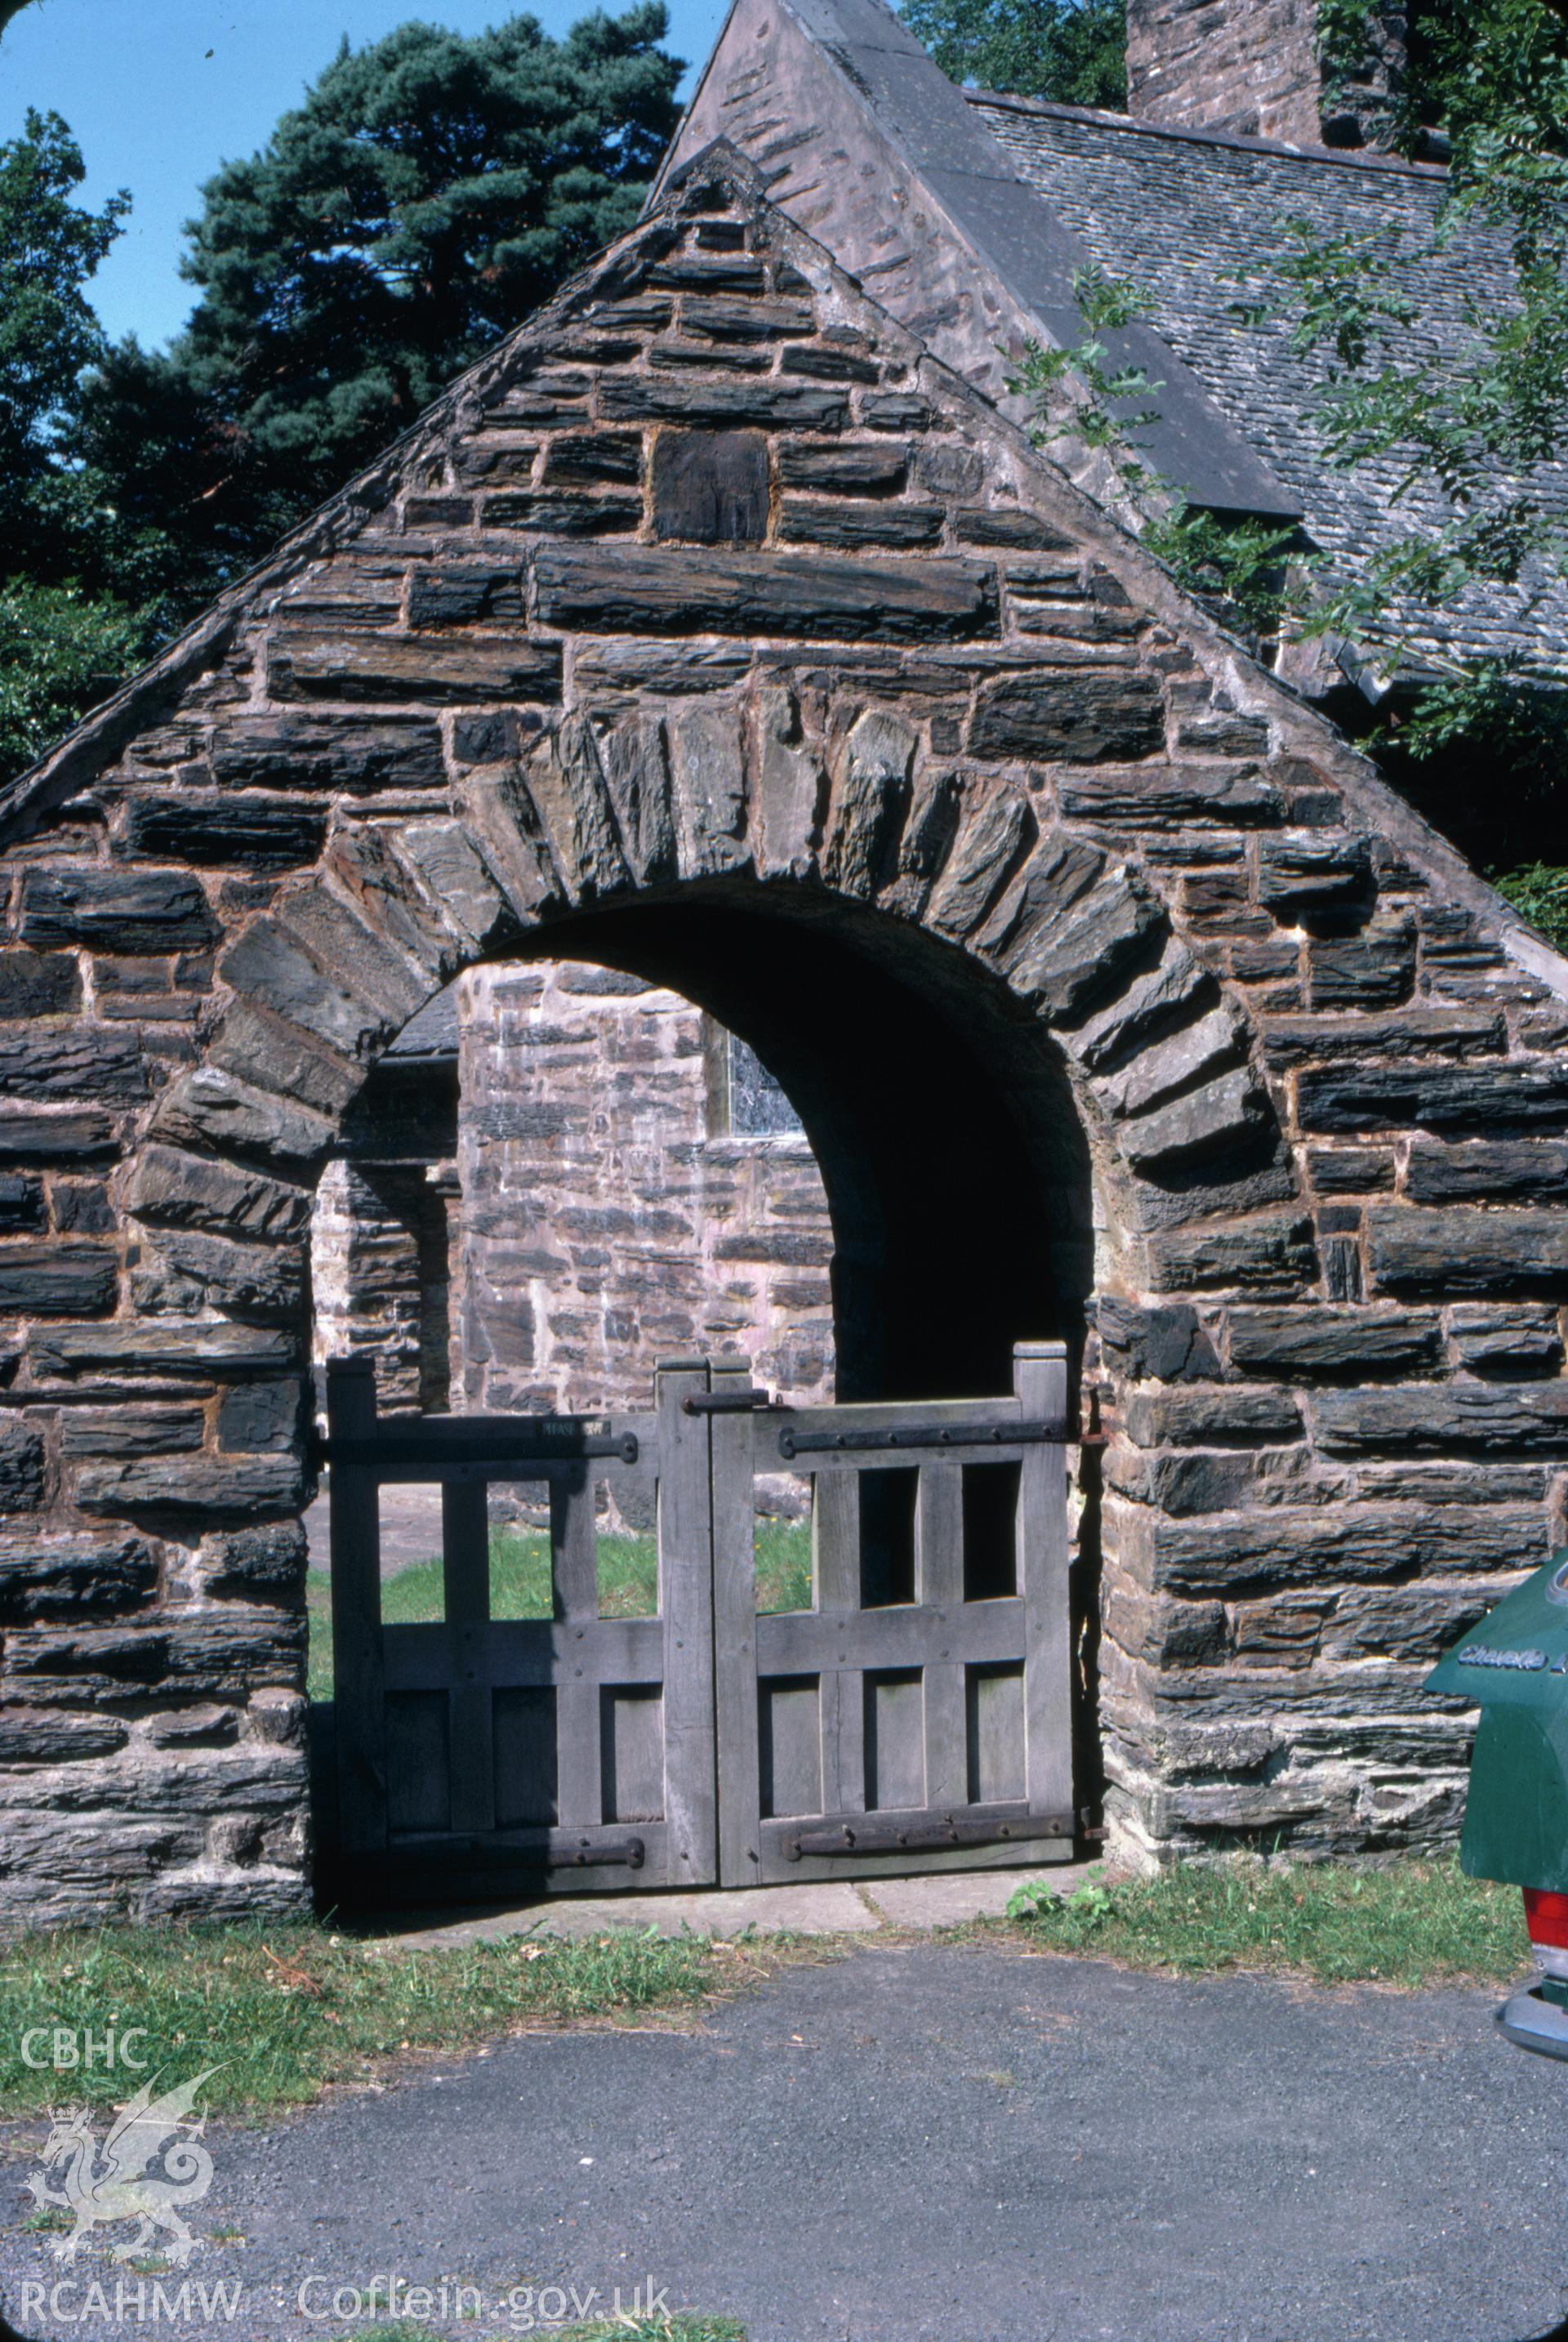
{"x":1253,"y":67}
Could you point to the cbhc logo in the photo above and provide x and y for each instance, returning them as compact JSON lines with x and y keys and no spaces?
{"x":70,"y":2047}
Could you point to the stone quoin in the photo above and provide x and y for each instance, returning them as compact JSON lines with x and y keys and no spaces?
{"x":716,"y":631}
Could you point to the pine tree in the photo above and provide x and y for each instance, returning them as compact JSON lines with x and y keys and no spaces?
{"x":49,"y":249}
{"x":64,"y":638}
{"x":429,"y":194}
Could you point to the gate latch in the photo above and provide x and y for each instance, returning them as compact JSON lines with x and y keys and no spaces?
{"x":726,"y":1402}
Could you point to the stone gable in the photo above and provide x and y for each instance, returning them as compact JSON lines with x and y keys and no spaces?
{"x":709,"y":629}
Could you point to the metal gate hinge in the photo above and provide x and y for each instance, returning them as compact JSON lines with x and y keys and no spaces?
{"x":587,"y":1854}
{"x":865,"y":1834}
{"x":794,"y":1443}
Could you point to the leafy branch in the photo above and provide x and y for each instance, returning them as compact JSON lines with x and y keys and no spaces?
{"x":1077,"y":392}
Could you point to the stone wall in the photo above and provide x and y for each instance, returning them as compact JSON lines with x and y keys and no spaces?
{"x":606,"y":1222}
{"x":575,"y":1201}
{"x":381,"y":1245}
{"x":1289,"y":1077}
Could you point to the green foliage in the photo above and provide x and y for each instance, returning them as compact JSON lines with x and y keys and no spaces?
{"x":50,"y":247}
{"x":284,"y":2011}
{"x":1470,"y":438}
{"x":1070,"y":50}
{"x":1539,"y":891}
{"x":61,"y":651}
{"x":1241,"y":568}
{"x":1343,"y":27}
{"x":678,"y":2328}
{"x":429,"y":194}
{"x":1512,"y":723}
{"x":1109,"y":415}
{"x":1338,"y":294}
{"x":1408,"y":1924}
{"x":69,"y":630}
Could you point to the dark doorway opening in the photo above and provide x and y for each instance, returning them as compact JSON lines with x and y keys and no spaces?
{"x":933,"y":1139}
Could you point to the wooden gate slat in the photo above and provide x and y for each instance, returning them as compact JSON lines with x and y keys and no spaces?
{"x":527,"y":1652}
{"x":794,"y":1642}
{"x":686,"y":1602}
{"x":579,"y":1738}
{"x":1040,"y":1379}
{"x":358,"y":1693}
{"x":574,"y":1547}
{"x":939,"y":1580}
{"x":465,"y":1574}
{"x":947,"y":1733}
{"x":835,"y":1589}
{"x":842,"y":1696}
{"x":736,"y":1723}
{"x":835,"y":1542}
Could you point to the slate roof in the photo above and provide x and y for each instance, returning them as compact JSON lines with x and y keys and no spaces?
{"x":1187,"y":214}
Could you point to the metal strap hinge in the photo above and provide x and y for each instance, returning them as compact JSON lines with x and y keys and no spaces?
{"x":792,"y":1442}
{"x":628,"y":1852}
{"x":867,"y":1835}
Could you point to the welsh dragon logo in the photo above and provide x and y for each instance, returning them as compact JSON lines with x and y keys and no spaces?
{"x":101,"y":2187}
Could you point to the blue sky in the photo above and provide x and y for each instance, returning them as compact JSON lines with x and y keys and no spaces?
{"x":155,"y":113}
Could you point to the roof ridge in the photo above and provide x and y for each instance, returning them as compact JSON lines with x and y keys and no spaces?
{"x":1358,"y":158}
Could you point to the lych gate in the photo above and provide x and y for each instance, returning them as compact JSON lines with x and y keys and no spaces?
{"x":934,"y":787}
{"x":917,"y":1715}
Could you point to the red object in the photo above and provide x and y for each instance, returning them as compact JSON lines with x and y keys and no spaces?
{"x":1546,"y":1917}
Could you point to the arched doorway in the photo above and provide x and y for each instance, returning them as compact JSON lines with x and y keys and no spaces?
{"x":907,"y":1083}
{"x":946,"y":1154}
{"x":951,"y":1155}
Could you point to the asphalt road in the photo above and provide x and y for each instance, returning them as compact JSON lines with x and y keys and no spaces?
{"x":961,"y":2144}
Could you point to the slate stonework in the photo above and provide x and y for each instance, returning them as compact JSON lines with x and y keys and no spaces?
{"x":1311,"y":1215}
{"x":604,"y":1224}
{"x":537,"y":1225}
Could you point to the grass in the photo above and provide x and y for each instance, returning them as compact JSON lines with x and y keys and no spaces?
{"x":284,"y":2011}
{"x":1412,"y":1924}
{"x":520,"y":1585}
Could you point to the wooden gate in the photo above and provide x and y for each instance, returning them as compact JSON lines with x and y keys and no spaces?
{"x":912,"y":1712}
{"x":917,"y":1715}
{"x":484,"y":1755}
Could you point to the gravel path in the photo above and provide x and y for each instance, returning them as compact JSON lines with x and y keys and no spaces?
{"x":965,"y":2143}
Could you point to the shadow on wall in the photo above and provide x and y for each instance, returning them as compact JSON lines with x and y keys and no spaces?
{"x":566,"y":1169}
{"x":558,"y":1175}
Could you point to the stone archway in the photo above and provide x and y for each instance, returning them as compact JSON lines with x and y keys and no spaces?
{"x":939,"y":1116}
{"x":712,"y":599}
{"x":194,"y":1487}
